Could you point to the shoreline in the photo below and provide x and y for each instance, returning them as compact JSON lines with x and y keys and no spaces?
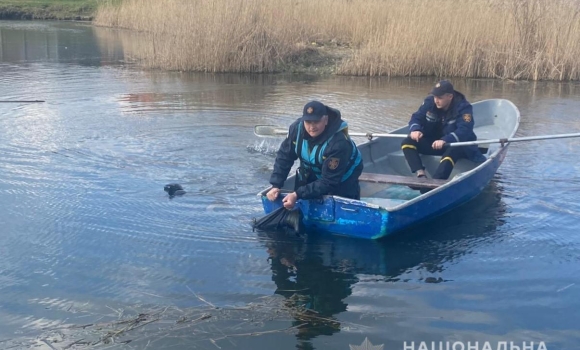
{"x":11,"y":15}
{"x":66,"y":10}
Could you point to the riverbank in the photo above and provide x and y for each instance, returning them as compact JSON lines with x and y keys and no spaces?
{"x":507,"y":39}
{"x":83,"y":10}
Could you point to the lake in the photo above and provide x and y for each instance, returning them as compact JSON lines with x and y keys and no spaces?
{"x":94,"y":254}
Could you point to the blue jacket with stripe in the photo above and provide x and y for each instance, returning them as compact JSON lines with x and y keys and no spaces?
{"x":330,"y":164}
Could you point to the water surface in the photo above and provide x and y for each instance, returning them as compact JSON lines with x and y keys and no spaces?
{"x":88,"y":237}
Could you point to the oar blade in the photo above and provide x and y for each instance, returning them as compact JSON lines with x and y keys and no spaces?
{"x":269,"y":131}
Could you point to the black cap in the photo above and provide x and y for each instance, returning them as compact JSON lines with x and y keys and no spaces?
{"x":441,"y":88}
{"x":314,"y":111}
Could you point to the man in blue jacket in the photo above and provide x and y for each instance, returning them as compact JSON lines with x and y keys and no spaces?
{"x":444,"y":117}
{"x":330,"y":162}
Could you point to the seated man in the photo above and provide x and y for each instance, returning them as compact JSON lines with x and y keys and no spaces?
{"x":444,"y":117}
{"x":330,"y":162}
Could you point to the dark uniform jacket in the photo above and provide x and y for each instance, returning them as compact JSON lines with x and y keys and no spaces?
{"x":330,"y":164}
{"x":452,"y":125}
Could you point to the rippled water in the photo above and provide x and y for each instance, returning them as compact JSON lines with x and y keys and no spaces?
{"x":89,"y":237}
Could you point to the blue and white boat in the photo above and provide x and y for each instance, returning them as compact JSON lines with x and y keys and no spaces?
{"x":387,"y":203}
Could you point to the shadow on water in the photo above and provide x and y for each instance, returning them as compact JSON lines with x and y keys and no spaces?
{"x":319,"y":271}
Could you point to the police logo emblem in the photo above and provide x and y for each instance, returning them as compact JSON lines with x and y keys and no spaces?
{"x":309,"y":110}
{"x":437,"y":85}
{"x":467,"y":118}
{"x":333,"y":163}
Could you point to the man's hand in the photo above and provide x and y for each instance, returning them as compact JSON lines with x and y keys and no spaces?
{"x":438,"y":144}
{"x":273,"y":194}
{"x":416,"y":135}
{"x":290,"y":200}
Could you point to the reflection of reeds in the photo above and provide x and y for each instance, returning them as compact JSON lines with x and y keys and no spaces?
{"x":516,"y":39}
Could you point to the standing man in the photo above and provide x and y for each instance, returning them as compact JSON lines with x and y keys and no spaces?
{"x":330,"y":162}
{"x":444,"y":117}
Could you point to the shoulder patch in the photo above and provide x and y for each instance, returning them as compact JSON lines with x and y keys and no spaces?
{"x":467,"y":118}
{"x":333,"y":163}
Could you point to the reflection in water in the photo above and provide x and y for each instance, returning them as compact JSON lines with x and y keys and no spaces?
{"x":54,"y":42}
{"x":301,"y":275}
{"x":319,"y":272}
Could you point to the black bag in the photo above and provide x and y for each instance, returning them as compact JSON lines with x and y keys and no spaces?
{"x":281,"y":219}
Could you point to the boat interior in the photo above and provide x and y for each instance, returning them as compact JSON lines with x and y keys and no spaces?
{"x":387,"y":180}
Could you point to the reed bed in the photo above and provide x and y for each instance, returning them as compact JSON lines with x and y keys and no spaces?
{"x":509,"y":39}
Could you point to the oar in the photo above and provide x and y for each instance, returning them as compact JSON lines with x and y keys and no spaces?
{"x":515,"y":139}
{"x":26,"y":101}
{"x":273,"y":131}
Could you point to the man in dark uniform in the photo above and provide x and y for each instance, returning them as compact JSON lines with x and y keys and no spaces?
{"x":330,"y":163}
{"x":444,"y":117}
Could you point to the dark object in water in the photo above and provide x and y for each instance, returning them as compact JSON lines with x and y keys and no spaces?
{"x":281,"y":219}
{"x":174,"y":190}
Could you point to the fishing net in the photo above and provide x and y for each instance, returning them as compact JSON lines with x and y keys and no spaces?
{"x":281,"y":219}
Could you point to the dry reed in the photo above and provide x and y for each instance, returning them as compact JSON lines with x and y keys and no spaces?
{"x":515,"y":39}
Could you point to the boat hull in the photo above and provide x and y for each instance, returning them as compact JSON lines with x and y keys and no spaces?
{"x":365,"y":219}
{"x":356,"y":218}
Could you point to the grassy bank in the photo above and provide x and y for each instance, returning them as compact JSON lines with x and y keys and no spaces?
{"x":48,"y":9}
{"x":515,"y":39}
